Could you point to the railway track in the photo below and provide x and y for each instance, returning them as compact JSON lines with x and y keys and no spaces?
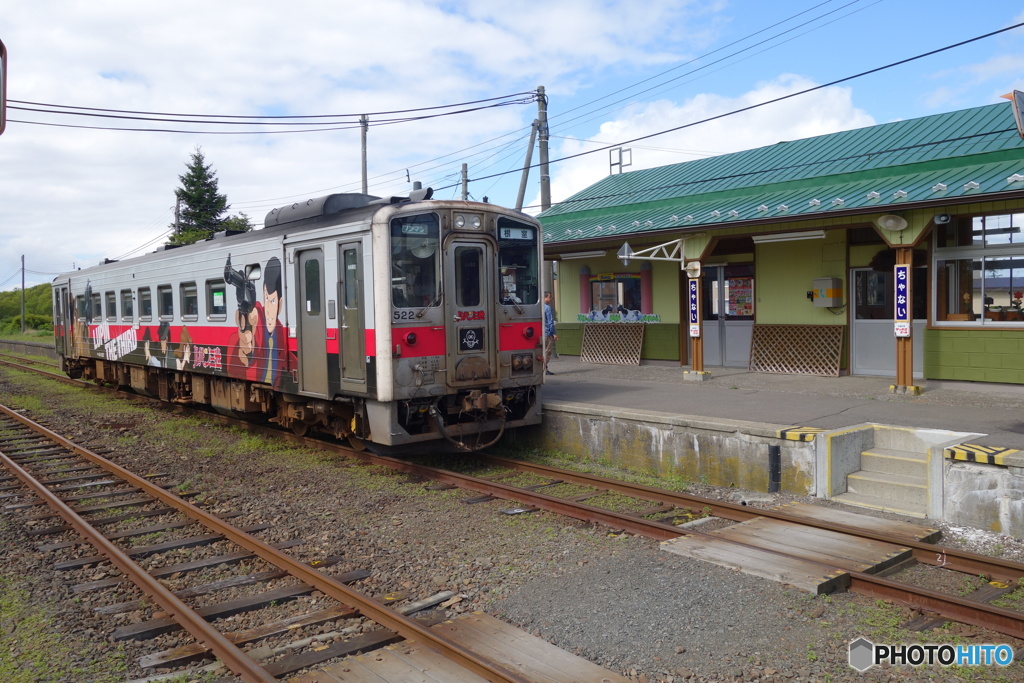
{"x":47,"y":469}
{"x":655,"y":513}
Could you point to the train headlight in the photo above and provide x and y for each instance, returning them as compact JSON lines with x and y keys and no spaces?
{"x":528,"y":333}
{"x":468,"y":221}
{"x":410,"y":338}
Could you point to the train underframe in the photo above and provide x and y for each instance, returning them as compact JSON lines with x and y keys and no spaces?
{"x":468,"y":420}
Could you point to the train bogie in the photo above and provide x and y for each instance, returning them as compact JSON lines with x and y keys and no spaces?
{"x":395,"y":321}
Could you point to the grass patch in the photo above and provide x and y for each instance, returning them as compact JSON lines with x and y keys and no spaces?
{"x":601,"y":468}
{"x":31,"y":652}
{"x":33,"y":404}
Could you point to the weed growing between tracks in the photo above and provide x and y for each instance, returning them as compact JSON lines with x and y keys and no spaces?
{"x":602,"y":468}
{"x":30,"y":650}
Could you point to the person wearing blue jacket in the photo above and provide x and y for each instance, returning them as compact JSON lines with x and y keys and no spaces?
{"x":549,"y":332}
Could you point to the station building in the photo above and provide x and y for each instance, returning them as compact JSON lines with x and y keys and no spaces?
{"x":790,"y":257}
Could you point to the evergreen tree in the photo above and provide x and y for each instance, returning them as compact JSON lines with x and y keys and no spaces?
{"x":202,"y":208}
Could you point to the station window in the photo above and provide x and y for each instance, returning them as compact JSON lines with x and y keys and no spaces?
{"x":610,"y":292}
{"x":111,"y":298}
{"x":127,"y":305}
{"x":978,"y":270}
{"x":97,"y":308}
{"x":145,"y":304}
{"x":165,"y":302}
{"x":216,"y":300}
{"x":189,"y":301}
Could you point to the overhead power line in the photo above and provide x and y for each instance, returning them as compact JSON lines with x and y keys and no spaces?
{"x":774,"y":100}
{"x":300,"y":126}
{"x":296,"y":116}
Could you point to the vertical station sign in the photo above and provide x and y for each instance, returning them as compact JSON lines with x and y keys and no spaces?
{"x":902,"y":299}
{"x":694,"y":309}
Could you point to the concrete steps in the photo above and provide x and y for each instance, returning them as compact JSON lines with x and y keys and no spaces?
{"x":889,"y":479}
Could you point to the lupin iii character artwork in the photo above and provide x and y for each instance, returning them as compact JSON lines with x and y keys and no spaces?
{"x":275,"y":338}
{"x":258,"y":348}
{"x":243,"y":353}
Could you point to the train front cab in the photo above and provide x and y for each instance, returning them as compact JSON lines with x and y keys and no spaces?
{"x":464,"y":346}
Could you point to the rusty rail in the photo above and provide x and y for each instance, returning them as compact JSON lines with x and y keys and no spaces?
{"x":229,"y":654}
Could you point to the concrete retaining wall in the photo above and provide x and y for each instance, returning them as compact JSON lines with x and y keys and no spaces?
{"x":27,"y":348}
{"x":986,"y":497}
{"x":710,"y":451}
{"x":735,"y":453}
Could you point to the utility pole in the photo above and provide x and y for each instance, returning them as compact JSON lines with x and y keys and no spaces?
{"x":364,"y":124}
{"x":465,"y":182}
{"x":542,"y":126}
{"x":526,"y":165}
{"x":23,"y":294}
{"x":177,"y":216}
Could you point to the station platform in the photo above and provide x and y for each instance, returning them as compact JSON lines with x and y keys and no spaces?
{"x":995,"y":412}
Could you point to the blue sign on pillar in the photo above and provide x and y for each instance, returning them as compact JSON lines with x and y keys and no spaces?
{"x":694,"y":309}
{"x":902,"y":316}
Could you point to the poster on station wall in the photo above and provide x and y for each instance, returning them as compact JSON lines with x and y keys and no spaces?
{"x":740,"y":291}
{"x":902,"y":299}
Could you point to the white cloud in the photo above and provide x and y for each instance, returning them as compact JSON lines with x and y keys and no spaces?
{"x":824,"y":111}
{"x":72,"y":195}
{"x":77,"y":196}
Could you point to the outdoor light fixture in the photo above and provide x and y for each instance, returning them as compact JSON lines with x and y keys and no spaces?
{"x":584,"y":254}
{"x":789,"y":236}
{"x":891,"y":222}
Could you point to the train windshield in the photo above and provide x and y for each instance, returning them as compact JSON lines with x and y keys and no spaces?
{"x":517,"y":260}
{"x":415,"y":261}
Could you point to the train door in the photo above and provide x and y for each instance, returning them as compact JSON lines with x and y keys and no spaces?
{"x":352,"y":354}
{"x":312,"y":323}
{"x":469,"y":295}
{"x":59,"y":319}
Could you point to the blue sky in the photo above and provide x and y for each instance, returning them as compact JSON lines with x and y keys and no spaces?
{"x":71,"y":196}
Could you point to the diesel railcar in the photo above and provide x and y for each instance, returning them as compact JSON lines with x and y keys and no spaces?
{"x":398,"y":321}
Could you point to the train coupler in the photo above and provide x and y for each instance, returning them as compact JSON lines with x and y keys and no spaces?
{"x":481,"y":401}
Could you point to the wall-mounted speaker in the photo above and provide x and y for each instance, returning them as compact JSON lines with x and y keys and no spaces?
{"x":942,"y":218}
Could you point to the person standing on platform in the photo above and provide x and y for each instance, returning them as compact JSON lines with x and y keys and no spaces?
{"x":549,"y":332}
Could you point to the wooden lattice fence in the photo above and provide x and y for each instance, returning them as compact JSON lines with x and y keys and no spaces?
{"x":797,"y":349}
{"x":612,"y":343}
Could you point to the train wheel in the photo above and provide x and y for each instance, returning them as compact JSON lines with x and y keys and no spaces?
{"x":356,"y":444}
{"x":300,"y":428}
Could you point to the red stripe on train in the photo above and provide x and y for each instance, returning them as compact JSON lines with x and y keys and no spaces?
{"x":519,"y":336}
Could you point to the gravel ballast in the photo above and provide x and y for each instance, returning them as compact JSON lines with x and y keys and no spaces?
{"x":613,"y":598}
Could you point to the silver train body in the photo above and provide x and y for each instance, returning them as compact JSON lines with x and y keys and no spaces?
{"x":396,"y":321}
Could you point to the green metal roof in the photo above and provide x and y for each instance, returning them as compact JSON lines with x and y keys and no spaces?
{"x":958,"y":156}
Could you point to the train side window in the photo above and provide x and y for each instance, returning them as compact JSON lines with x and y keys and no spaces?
{"x":189,"y":301}
{"x":145,"y":304}
{"x":312,"y":276}
{"x":111,"y":298}
{"x":127,"y":305}
{"x":216,"y":300}
{"x":97,"y":308}
{"x":80,"y":307}
{"x":351,"y":259}
{"x":165,"y":302}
